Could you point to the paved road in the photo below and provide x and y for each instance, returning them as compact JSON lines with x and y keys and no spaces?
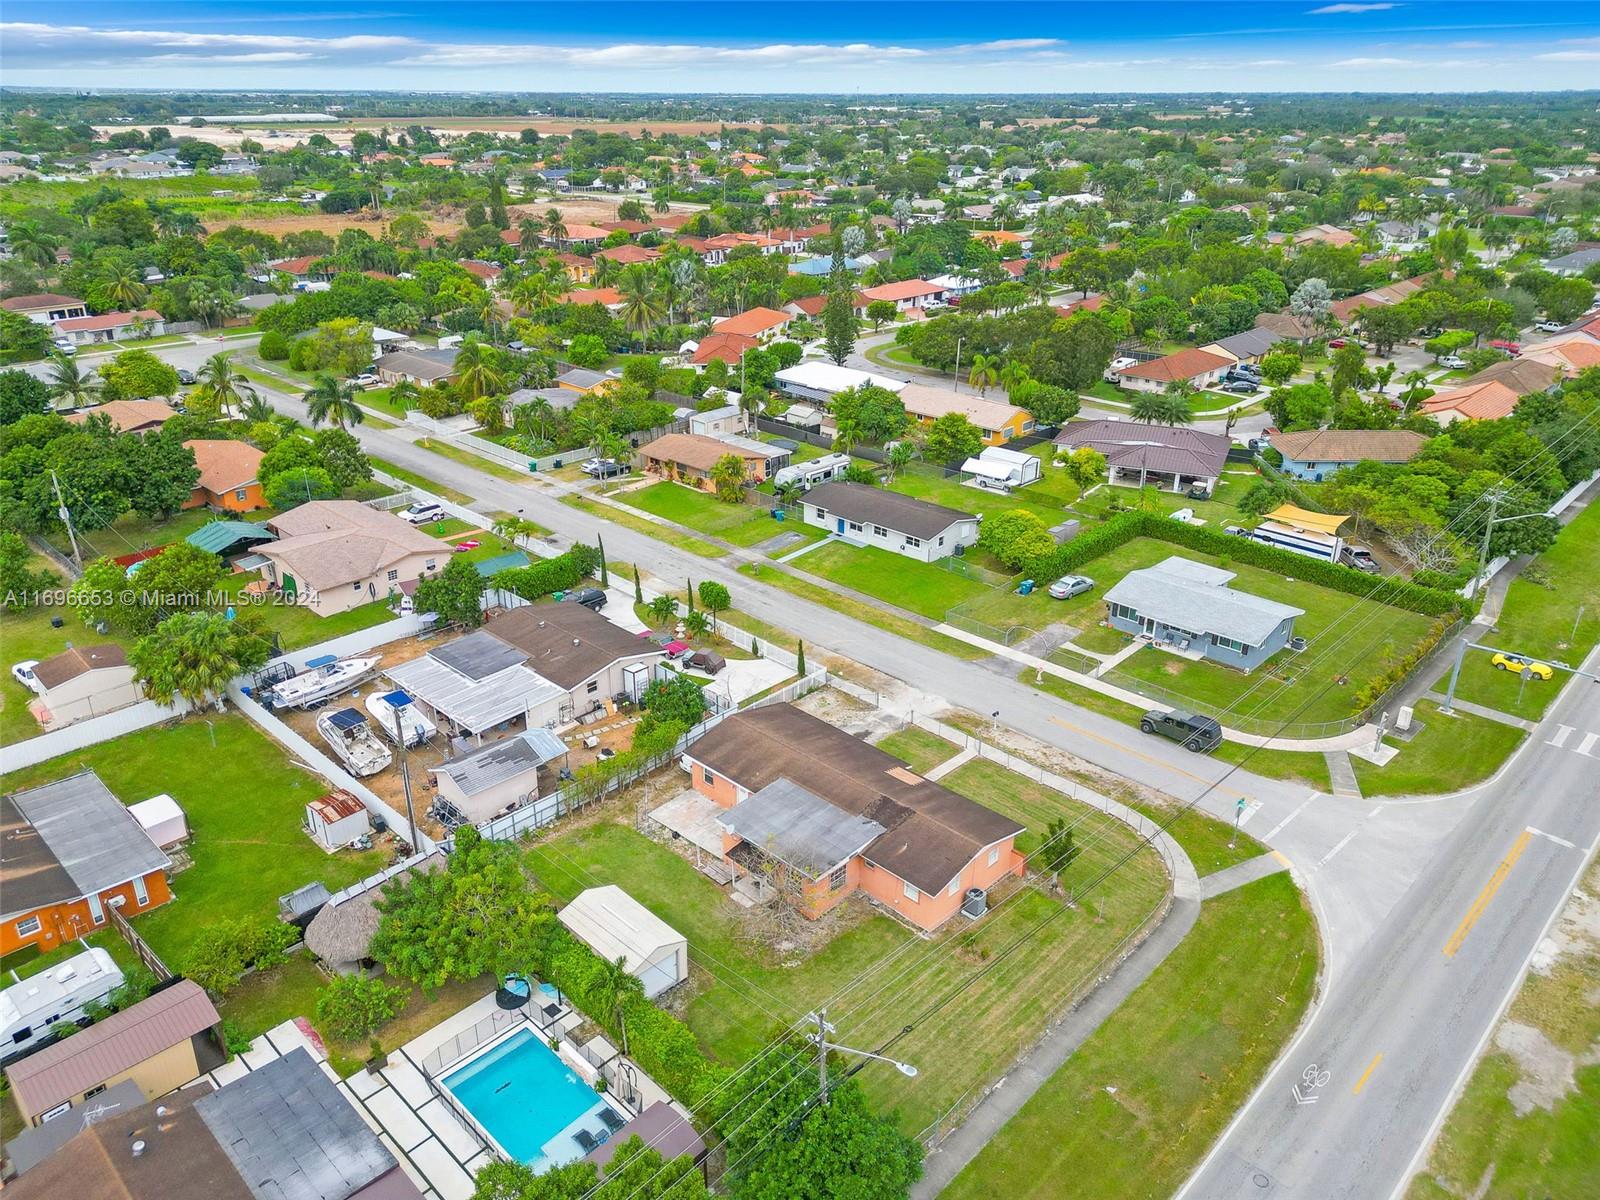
{"x":1379,"y":1064}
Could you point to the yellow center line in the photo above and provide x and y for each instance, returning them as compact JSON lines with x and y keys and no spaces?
{"x":1367,"y":1074}
{"x":1223,"y":791}
{"x":1488,"y":894}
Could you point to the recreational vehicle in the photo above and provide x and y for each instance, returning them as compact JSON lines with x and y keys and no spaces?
{"x":817,"y":470}
{"x":30,"y":1009}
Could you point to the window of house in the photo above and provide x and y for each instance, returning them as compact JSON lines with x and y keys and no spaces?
{"x":941,"y":541}
{"x":1228,"y":643}
{"x":428,"y":565}
{"x":393,"y":575}
{"x":912,"y":542}
{"x":22,"y":1034}
{"x":27,"y":926}
{"x":140,"y":892}
{"x":955,"y":885}
{"x":994,"y":856}
{"x":837,"y":879}
{"x":94,"y":1091}
{"x":911,"y":892}
{"x":855,"y":526}
{"x":356,"y":586}
{"x":239,"y":494}
{"x":594,"y":686}
{"x":96,"y":910}
{"x":711,"y":780}
{"x":880,"y":531}
{"x":822,"y":514}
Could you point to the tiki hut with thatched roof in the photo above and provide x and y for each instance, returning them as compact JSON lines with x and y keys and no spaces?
{"x":341,"y":934}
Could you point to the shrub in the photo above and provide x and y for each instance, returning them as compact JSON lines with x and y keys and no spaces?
{"x":550,"y":575}
{"x":234,"y":1039}
{"x":225,"y":951}
{"x":352,"y":1007}
{"x":274,"y":346}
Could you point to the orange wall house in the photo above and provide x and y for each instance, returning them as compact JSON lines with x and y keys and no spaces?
{"x":688,"y":458}
{"x":69,"y":851}
{"x":228,"y":472}
{"x":807,"y":803}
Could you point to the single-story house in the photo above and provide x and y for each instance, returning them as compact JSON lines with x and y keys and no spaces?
{"x":548,"y":664}
{"x":722,"y":347}
{"x":1198,"y":368}
{"x":714,"y":422}
{"x":581,"y":380}
{"x":1287,"y":327}
{"x":628,"y":253}
{"x":608,"y":298}
{"x":830,"y":815}
{"x":559,"y":398}
{"x":1189,"y":605}
{"x":874,"y":516}
{"x":616,"y":926}
{"x":1567,"y":353}
{"x":822,"y":265}
{"x":908,"y":293}
{"x":1487,"y":401}
{"x":127,"y":416}
{"x":83,"y":682}
{"x":1575,"y":263}
{"x":110,"y":327}
{"x":45,"y":308}
{"x":160,"y":1043}
{"x":688,"y":458}
{"x":1138,"y":454}
{"x":68,"y":850}
{"x":1013,"y":468}
{"x":1347,"y":311}
{"x":228,"y":475}
{"x":497,"y":776}
{"x":281,"y":1130}
{"x":1315,"y":454}
{"x":1526,"y":375}
{"x":341,"y":933}
{"x":1250,"y":346}
{"x":760,"y":323}
{"x":420,"y":367}
{"x":306,"y":268}
{"x":997,"y":421}
{"x":820,"y":380}
{"x":339,"y":554}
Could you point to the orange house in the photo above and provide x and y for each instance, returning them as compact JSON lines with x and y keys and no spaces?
{"x":69,"y":850}
{"x":825,"y":815}
{"x":228,"y":472}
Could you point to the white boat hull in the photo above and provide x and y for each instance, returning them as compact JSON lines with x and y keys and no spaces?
{"x":314,"y":687}
{"x":358,"y":748}
{"x":416,"y":727}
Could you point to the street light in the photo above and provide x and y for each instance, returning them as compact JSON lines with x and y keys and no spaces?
{"x":823,"y":1045}
{"x":1488,"y":530}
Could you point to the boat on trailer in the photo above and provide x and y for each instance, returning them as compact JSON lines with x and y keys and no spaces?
{"x":386,"y":708}
{"x":346,"y":731}
{"x":323,"y":679}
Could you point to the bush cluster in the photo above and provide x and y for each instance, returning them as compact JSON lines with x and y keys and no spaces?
{"x":550,"y":575}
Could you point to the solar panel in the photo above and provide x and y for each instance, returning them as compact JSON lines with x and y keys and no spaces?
{"x":346,"y":718}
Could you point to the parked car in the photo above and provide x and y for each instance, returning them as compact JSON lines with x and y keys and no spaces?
{"x":1512,"y":662}
{"x":1360,"y":558}
{"x":1195,"y":733}
{"x":1338,"y":344}
{"x":22,"y":672}
{"x":603,"y":468}
{"x":592,"y":598}
{"x":1236,"y":530}
{"x":185,"y":375}
{"x":1257,"y":444}
{"x":365,"y":380}
{"x":1453,"y":362}
{"x":1549,"y":326}
{"x":424,"y":511}
{"x":1242,"y":387}
{"x":64,"y":346}
{"x":1199,"y":490}
{"x":1511,"y":348}
{"x":1069,"y":586}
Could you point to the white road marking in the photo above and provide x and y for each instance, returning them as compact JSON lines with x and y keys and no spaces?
{"x":1589,"y":739}
{"x":1279,"y":827}
{"x":1338,"y":846}
{"x":1250,"y":811}
{"x":1563,"y":732}
{"x":1560,"y":841}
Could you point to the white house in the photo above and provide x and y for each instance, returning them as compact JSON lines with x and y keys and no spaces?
{"x":83,"y":682}
{"x":821,"y":381}
{"x":873,"y":516}
{"x":1011,"y":468}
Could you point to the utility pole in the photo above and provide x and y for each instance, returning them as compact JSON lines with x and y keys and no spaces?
{"x":66,"y":517}
{"x":405,"y":775}
{"x":820,"y":1037}
{"x":958,"y":363}
{"x":1496,"y":495}
{"x":822,"y":1054}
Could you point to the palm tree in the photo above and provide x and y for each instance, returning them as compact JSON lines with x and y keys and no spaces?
{"x":256,"y":409}
{"x":661,"y":205}
{"x":528,"y":230}
{"x":1013,"y":375}
{"x":612,"y":445}
{"x":478,"y":374}
{"x":124,"y":287}
{"x":68,"y":382}
{"x":985,"y":372}
{"x":403,"y":395}
{"x":31,"y":244}
{"x":218,"y":380}
{"x":1163,"y":408}
{"x":534,"y":292}
{"x":605,"y":271}
{"x":191,"y":655}
{"x":554,"y":227}
{"x":898,"y":456}
{"x":532,"y":420}
{"x":332,"y":400}
{"x":642,"y":306}
{"x":727,"y":473}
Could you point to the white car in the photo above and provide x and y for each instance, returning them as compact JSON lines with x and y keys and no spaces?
{"x":22,"y":672}
{"x":1453,"y":362}
{"x":422,"y":513}
{"x":64,"y":346}
{"x":1549,"y":326}
{"x":365,"y":380}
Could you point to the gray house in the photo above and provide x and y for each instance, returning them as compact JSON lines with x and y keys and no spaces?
{"x":1189,"y":607}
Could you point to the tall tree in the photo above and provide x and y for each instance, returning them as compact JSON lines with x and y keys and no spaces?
{"x":192,"y":656}
{"x":218,"y":379}
{"x":333,"y":401}
{"x":838,"y":310}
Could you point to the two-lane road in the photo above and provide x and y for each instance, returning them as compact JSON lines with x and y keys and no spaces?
{"x":1349,"y":1112}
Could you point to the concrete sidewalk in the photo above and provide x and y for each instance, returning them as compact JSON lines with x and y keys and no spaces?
{"x":1236,"y":876}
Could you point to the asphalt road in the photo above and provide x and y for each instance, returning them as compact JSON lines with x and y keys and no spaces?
{"x":1379,"y":1066}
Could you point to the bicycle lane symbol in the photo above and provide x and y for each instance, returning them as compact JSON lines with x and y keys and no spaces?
{"x":1311,"y":1079}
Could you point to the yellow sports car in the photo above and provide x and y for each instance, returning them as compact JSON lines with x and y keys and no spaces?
{"x":1520,"y":663}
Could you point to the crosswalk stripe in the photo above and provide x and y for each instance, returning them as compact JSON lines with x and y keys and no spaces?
{"x":1563,"y":732}
{"x":1589,"y":739}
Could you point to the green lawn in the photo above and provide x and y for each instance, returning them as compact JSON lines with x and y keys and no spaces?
{"x":895,"y":579}
{"x":737,"y":980}
{"x":1540,"y":610}
{"x":26,"y":964}
{"x":1142,"y":1100}
{"x":621,"y":516}
{"x":1047,"y":498}
{"x":467,"y":458}
{"x":245,"y":803}
{"x":1296,"y":766}
{"x":1486,"y":1149}
{"x":297,"y":625}
{"x":918,"y":748}
{"x":448,"y":527}
{"x":1221,"y":509}
{"x":131,"y":533}
{"x":741,"y":524}
{"x":1449,"y":754}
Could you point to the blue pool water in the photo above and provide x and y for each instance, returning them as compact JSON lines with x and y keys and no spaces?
{"x":524,"y":1095}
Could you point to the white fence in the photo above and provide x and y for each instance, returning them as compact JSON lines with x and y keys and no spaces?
{"x":88,"y":733}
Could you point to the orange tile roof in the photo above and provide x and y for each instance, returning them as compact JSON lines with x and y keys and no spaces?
{"x":127,"y":415}
{"x":729,"y":347}
{"x":1185,"y":364}
{"x":225,"y":464}
{"x":906,"y":289}
{"x":753,"y":321}
{"x":1480,"y":402}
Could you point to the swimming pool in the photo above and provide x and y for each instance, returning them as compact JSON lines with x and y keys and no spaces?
{"x":528,"y":1100}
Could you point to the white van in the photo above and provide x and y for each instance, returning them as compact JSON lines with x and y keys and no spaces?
{"x":30,"y":1009}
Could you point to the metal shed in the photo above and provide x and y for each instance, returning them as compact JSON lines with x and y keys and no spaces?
{"x":615,"y":925}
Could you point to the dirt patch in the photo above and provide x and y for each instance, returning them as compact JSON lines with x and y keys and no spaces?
{"x":333,"y":224}
{"x":1577,"y":932}
{"x":854,"y":716}
{"x":1547,"y":1071}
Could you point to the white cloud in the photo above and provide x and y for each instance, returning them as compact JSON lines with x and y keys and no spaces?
{"x":1471,"y":45}
{"x":1268,"y":62}
{"x":1376,"y":62}
{"x":1570,"y":56}
{"x":1328,"y":10}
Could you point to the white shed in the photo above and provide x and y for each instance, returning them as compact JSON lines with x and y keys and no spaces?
{"x":162,"y":819}
{"x":615,"y":925}
{"x":1010,"y":467}
{"x":336,"y":820}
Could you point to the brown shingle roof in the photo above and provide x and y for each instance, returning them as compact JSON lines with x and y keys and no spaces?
{"x":567,"y":643}
{"x":225,"y":464}
{"x":931,"y":832}
{"x":879,"y":506}
{"x":1134,"y":445}
{"x":1349,"y":445}
{"x":128,"y":416}
{"x":39,"y":300}
{"x":693,"y":450}
{"x":112,"y":1046}
{"x":328,"y":542}
{"x":1185,"y":364}
{"x":69,"y":664}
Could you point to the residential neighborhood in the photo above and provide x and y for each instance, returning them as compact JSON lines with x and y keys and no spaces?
{"x":799,"y":614}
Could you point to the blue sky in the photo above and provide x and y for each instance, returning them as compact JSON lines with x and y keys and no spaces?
{"x":814,"y":46}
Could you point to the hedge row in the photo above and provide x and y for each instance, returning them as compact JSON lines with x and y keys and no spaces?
{"x":548,"y":575}
{"x":657,"y":1040}
{"x":1123,"y":528}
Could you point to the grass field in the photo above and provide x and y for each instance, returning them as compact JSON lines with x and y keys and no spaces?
{"x":923,"y":588}
{"x":1488,"y":1149}
{"x":1449,"y":754}
{"x":741,"y":524}
{"x":665,"y":533}
{"x":467,"y":458}
{"x":244,"y":802}
{"x":1541,"y":608}
{"x":918,"y":748}
{"x":1047,"y":498}
{"x":1142,"y":1100}
{"x":405,"y":475}
{"x":297,"y":625}
{"x":28,"y":962}
{"x":743,"y":991}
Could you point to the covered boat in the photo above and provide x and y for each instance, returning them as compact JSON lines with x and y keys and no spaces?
{"x":352,"y":739}
{"x":391,"y":710}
